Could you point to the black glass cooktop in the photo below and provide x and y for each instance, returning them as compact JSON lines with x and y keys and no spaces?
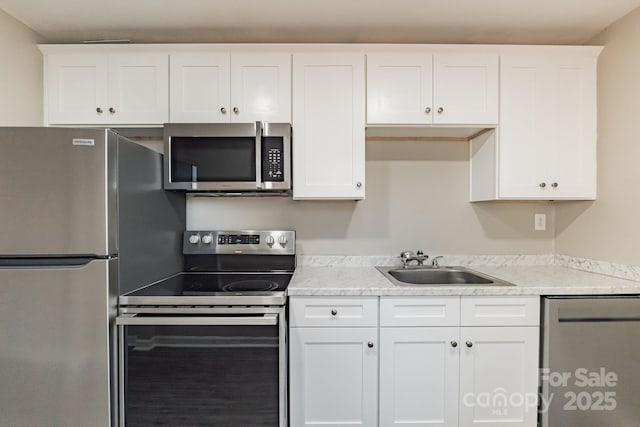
{"x":208,"y":284}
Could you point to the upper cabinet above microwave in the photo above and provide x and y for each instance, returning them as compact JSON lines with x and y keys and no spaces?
{"x":106,"y":89}
{"x":426,"y":89}
{"x":237,"y":88}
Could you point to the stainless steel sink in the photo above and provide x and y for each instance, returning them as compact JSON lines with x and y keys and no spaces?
{"x":442,"y":276}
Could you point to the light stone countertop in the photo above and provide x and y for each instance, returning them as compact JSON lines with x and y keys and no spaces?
{"x":331,"y":280}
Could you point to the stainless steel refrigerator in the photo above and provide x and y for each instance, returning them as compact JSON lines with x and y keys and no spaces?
{"x":83,"y":217}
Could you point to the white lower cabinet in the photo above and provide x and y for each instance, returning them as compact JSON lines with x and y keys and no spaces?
{"x":419,"y":376}
{"x":443,"y":361}
{"x":333,"y":361}
{"x":499,"y":376}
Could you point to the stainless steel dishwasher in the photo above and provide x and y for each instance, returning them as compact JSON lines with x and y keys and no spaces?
{"x":590,"y":351}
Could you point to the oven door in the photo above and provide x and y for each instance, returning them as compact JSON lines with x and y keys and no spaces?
{"x":202,"y":367}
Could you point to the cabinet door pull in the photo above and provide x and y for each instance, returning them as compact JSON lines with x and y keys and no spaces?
{"x":469,"y":344}
{"x":543,"y":184}
{"x":440,"y":110}
{"x":223,"y":110}
{"x":370,"y":344}
{"x":99,"y":110}
{"x":334,"y":312}
{"x":454,"y":344}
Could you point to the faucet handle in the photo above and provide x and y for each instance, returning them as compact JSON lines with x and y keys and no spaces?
{"x":419,"y":253}
{"x":405,"y":256}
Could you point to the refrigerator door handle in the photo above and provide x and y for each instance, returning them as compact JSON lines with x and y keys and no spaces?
{"x":45,"y":262}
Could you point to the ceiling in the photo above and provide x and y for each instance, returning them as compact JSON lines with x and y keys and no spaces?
{"x":323,"y":21}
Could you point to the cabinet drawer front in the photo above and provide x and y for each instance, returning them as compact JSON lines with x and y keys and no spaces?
{"x":500,"y":311}
{"x":333,"y":311}
{"x":420,"y":311}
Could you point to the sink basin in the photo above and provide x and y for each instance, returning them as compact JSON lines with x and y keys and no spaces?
{"x":439,"y":276}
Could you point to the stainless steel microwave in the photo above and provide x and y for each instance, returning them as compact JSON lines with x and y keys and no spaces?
{"x":228,"y":157}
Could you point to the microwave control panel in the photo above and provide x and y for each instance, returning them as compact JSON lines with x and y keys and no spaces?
{"x":272,"y":159}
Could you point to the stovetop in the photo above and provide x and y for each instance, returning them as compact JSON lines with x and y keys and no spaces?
{"x":236,"y":268}
{"x":207,"y":284}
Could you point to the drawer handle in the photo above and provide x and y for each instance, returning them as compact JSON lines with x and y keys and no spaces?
{"x":370,"y":344}
{"x":334,"y":312}
{"x":454,"y":344}
{"x":469,"y":344}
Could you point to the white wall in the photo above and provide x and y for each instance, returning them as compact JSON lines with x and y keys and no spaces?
{"x":21,"y":84}
{"x":609,"y":228}
{"x":417,"y":198}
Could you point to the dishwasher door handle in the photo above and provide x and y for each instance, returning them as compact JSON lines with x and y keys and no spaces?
{"x":269,"y":319}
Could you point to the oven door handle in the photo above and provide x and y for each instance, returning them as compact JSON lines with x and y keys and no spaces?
{"x":140,"y":319}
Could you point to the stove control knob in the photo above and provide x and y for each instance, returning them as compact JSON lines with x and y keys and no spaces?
{"x":270,"y":240}
{"x":283,"y":241}
{"x":194,"y":239}
{"x":207,"y":239}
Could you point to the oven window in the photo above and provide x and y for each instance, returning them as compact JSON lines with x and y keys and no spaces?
{"x":213,"y":159}
{"x":201,"y":376}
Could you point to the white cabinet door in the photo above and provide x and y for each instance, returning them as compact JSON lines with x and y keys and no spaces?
{"x":138,"y":88}
{"x":498,"y":376}
{"x":525,"y":86}
{"x":76,"y":89}
{"x":329,"y":124}
{"x":419,"y":376}
{"x":572,"y":118}
{"x":465,"y":89}
{"x":200,"y":91}
{"x":261,"y":87}
{"x":399,"y":88}
{"x":333,"y":377}
{"x":547,"y":136}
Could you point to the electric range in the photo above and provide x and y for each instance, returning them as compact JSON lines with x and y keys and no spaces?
{"x":229,"y":268}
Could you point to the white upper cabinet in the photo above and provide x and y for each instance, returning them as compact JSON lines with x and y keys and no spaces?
{"x":138,"y":88}
{"x":441,"y":89}
{"x":76,"y":88}
{"x":223,"y":88}
{"x":101,"y":89}
{"x":328,"y":126}
{"x":465,"y":89}
{"x":399,"y":88}
{"x":261,"y":87}
{"x":199,"y":88}
{"x":545,"y":147}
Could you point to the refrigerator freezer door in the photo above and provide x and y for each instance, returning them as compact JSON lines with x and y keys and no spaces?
{"x":54,"y":193}
{"x":54,"y":353}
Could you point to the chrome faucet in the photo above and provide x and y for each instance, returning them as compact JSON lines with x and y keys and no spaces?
{"x":434,"y":261}
{"x":408,"y":256}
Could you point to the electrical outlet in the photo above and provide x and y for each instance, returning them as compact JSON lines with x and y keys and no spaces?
{"x":540,"y":222}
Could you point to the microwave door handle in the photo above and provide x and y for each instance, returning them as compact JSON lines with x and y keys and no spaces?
{"x":259,"y":184}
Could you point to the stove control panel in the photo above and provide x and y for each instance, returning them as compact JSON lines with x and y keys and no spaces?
{"x":263,"y":242}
